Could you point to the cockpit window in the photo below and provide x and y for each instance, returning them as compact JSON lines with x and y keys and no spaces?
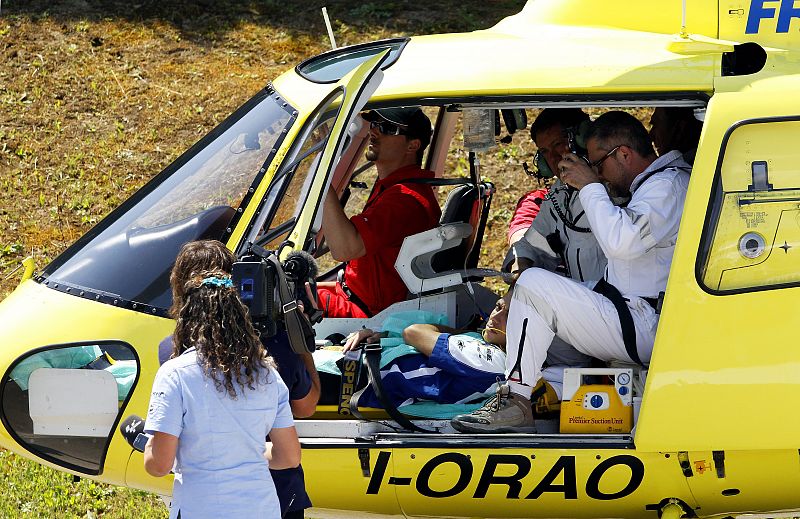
{"x":126,"y":259}
{"x":332,"y":66}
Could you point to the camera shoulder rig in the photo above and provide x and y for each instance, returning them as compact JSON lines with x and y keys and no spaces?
{"x":298,"y":327}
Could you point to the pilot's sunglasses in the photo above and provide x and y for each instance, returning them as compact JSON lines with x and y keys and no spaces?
{"x":596,"y":164}
{"x":387,"y":128}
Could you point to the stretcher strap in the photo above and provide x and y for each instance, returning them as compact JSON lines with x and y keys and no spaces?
{"x":515,"y":374}
{"x":372,"y":356}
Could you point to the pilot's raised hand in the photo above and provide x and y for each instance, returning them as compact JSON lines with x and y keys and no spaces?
{"x":576,"y":172}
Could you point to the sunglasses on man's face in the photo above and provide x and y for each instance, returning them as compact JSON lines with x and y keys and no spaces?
{"x":387,"y":128}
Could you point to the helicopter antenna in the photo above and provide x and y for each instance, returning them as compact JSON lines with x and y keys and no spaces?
{"x":684,"y":34}
{"x":330,"y":29}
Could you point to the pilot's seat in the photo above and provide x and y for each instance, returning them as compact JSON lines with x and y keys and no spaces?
{"x":447,"y":255}
{"x":468,"y":203}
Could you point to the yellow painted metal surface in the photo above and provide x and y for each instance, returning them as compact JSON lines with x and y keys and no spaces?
{"x":73,"y":319}
{"x":640,"y":15}
{"x":766,"y":221}
{"x":745,"y":481}
{"x":772,"y":23}
{"x":724,"y":366}
{"x":533,"y":482}
{"x":517,"y":57}
{"x":460,"y":481}
{"x":300,"y":93}
{"x":489,"y":63}
{"x":334,"y":479}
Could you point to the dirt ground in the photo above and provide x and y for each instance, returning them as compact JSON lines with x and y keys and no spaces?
{"x":97,"y":97}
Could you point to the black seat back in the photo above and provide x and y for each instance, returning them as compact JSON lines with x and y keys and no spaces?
{"x":466,"y":203}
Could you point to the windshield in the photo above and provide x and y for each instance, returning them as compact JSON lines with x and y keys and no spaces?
{"x":127,"y":257}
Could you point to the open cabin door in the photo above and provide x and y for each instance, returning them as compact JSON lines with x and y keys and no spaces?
{"x":292,"y":211}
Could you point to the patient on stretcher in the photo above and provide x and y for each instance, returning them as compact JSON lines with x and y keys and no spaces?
{"x":434,"y":370}
{"x":449,"y":368}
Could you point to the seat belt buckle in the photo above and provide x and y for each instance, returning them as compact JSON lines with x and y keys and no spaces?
{"x":660,"y":302}
{"x":291,"y":306}
{"x":372,"y":347}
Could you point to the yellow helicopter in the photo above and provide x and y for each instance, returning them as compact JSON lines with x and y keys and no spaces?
{"x":707,"y":441}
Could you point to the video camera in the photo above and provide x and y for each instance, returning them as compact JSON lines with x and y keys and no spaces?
{"x":271,"y":291}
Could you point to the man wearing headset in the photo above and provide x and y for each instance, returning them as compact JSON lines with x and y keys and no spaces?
{"x":559,"y":238}
{"x":615,"y":318}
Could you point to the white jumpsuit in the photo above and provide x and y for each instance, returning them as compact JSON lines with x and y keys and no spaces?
{"x":638,"y":241}
{"x":579,"y":252}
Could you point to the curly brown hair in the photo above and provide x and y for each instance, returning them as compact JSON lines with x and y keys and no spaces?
{"x":210,"y":316}
{"x":196,"y":257}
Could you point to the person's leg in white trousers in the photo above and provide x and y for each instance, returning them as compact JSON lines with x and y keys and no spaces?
{"x":547,"y":305}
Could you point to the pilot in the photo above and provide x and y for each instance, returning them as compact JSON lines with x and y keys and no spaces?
{"x":617,"y":319}
{"x":370,"y":241}
{"x":675,"y":128}
{"x":297,"y":370}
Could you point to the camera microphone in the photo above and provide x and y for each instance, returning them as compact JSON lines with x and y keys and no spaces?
{"x":132,"y":429}
{"x":300,"y":266}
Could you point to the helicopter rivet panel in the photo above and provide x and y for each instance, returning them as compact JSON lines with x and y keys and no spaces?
{"x":744,"y":480}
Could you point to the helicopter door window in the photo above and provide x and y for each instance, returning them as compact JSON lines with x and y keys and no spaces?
{"x":359,"y":186}
{"x":61,"y":403}
{"x":292,"y":182}
{"x":360,"y":177}
{"x":752,"y":234}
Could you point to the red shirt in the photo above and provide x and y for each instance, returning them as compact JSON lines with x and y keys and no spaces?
{"x":392,"y":212}
{"x":526,"y":210}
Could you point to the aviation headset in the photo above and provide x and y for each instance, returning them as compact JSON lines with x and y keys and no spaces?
{"x":576,"y":141}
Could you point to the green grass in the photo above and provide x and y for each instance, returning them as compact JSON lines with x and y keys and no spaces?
{"x":30,"y":490}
